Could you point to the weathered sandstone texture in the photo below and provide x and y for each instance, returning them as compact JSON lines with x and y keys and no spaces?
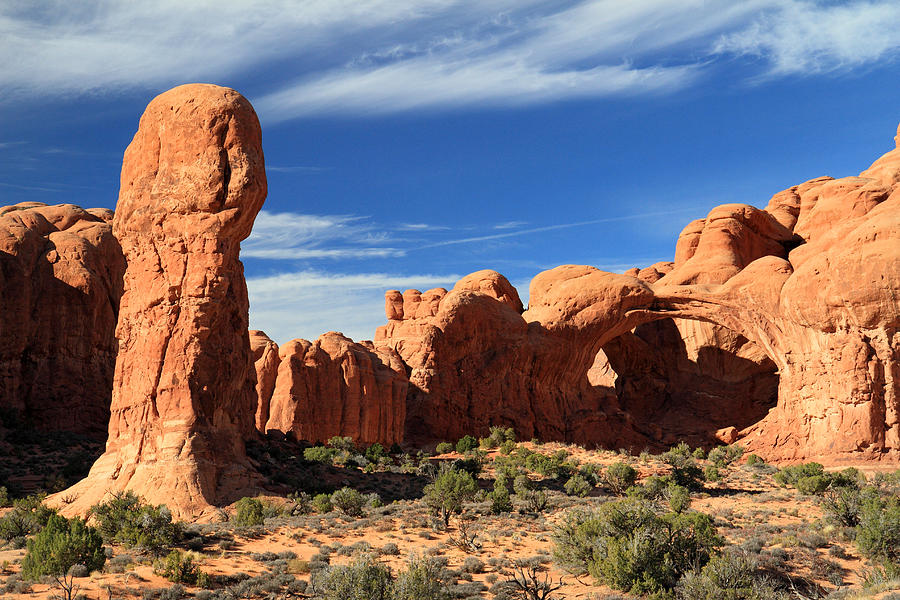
{"x":183,"y":395}
{"x":809,"y":285}
{"x":336,"y":387}
{"x":60,"y":284}
{"x":264,"y":353}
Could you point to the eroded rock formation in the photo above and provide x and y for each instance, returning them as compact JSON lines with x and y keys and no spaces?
{"x":810,"y":285}
{"x":183,"y":395}
{"x":264,"y":353}
{"x":337,"y":387}
{"x":60,"y":284}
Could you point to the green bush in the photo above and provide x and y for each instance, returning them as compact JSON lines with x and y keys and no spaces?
{"x":375,"y":453}
{"x":348,"y":501}
{"x":619,"y":477}
{"x":552,"y":466}
{"x":679,"y":498}
{"x":500,"y":502}
{"x":444,"y":448}
{"x":322,"y":503}
{"x":127,"y":520}
{"x":320,"y":454}
{"x":577,"y":486}
{"x":722,"y":456}
{"x":60,"y":545}
{"x":815,"y":484}
{"x":753,"y":459}
{"x":343,"y":443}
{"x":789,"y":476}
{"x":729,"y":576}
{"x":534,"y":500}
{"x":629,"y":547}
{"x":711,"y":473}
{"x":28,"y":516}
{"x":507,"y":447}
{"x":4,"y":497}
{"x":466,"y":443}
{"x":363,"y":579}
{"x":249,"y":512}
{"x":685,"y":471}
{"x":448,"y":492}
{"x":421,"y":580}
{"x":878,"y":532}
{"x":179,"y":567}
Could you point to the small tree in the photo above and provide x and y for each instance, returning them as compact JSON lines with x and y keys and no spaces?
{"x":59,"y":546}
{"x":364,"y":579}
{"x":348,"y":501}
{"x":126,"y":519}
{"x":619,"y":477}
{"x":421,"y":580}
{"x":448,"y":492}
{"x":249,"y":512}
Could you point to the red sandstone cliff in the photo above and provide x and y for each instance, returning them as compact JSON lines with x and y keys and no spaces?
{"x":60,"y":284}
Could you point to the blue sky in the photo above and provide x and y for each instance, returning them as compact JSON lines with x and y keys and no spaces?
{"x":410,"y":143}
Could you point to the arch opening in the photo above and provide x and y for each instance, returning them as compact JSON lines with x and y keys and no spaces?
{"x":687,"y":380}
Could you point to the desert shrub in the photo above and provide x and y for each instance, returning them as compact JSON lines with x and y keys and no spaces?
{"x":500,"y":435}
{"x":500,"y":502}
{"x":679,"y":498}
{"x":815,"y":484}
{"x":843,"y":505}
{"x":729,"y":576}
{"x":534,"y":500}
{"x":127,"y":520}
{"x":322,"y":503}
{"x":699,"y":453}
{"x":466,"y":443}
{"x":28,"y":516}
{"x":319,"y":454}
{"x":507,"y":447}
{"x":345,"y":443}
{"x":592,"y":473}
{"x":248,"y":512}
{"x":375,"y":453}
{"x":685,"y":471}
{"x":789,"y":476}
{"x":448,"y":492}
{"x":549,"y":466}
{"x":878,"y":532}
{"x":577,"y":486}
{"x":625,"y":544}
{"x":4,"y":497}
{"x":60,"y":545}
{"x":363,"y":579}
{"x":472,"y":464}
{"x":619,"y":477}
{"x":444,"y":448}
{"x":753,"y":459}
{"x":652,"y":488}
{"x":711,"y":473}
{"x":179,"y":567}
{"x":348,"y":501}
{"x":421,"y":580}
{"x":722,"y":456}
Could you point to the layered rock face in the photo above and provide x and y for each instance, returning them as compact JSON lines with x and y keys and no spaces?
{"x":264,"y":353}
{"x":809,"y":284}
{"x":60,"y":284}
{"x":475,"y":362}
{"x":336,"y":387}
{"x":183,"y":395}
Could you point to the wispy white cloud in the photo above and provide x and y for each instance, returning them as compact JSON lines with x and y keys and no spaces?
{"x":510,"y":225}
{"x":293,"y":236}
{"x":422,"y":227}
{"x":306,"y":304}
{"x":808,"y":37}
{"x":545,"y":228}
{"x":352,"y":57}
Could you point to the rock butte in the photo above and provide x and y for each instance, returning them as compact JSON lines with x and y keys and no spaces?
{"x":183,"y":397}
{"x":775,"y":327}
